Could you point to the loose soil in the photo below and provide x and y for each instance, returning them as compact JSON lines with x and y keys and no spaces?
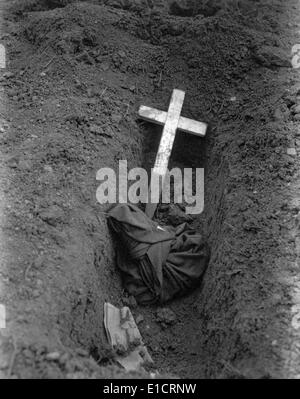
{"x":77,"y":73}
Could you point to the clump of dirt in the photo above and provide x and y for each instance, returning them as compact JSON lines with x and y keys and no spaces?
{"x":25,"y":6}
{"x":79,"y":74}
{"x":190,"y":8}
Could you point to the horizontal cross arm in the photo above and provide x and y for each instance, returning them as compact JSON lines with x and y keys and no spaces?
{"x":185,"y":124}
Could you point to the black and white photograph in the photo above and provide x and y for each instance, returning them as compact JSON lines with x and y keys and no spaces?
{"x":149,"y":193}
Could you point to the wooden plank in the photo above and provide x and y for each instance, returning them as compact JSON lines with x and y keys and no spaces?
{"x":123,"y":335}
{"x":185,"y":124}
{"x":166,"y":143}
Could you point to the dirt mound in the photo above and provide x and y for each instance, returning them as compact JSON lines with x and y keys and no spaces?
{"x":25,"y":6}
{"x":79,"y":74}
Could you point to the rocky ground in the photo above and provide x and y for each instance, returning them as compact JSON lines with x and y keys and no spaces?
{"x":77,"y":72}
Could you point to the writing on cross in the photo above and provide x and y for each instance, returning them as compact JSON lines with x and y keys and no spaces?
{"x":172,"y":121}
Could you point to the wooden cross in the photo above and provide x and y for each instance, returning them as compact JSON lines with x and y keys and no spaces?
{"x":171,"y":121}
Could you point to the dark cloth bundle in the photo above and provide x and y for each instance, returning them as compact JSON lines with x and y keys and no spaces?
{"x":157,"y":263}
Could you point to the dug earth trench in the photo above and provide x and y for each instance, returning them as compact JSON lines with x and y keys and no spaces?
{"x":76,"y":75}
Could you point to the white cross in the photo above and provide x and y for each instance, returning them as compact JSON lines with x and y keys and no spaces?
{"x":171,"y":121}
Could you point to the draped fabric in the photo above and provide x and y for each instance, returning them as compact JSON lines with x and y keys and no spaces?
{"x":157,"y":263}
